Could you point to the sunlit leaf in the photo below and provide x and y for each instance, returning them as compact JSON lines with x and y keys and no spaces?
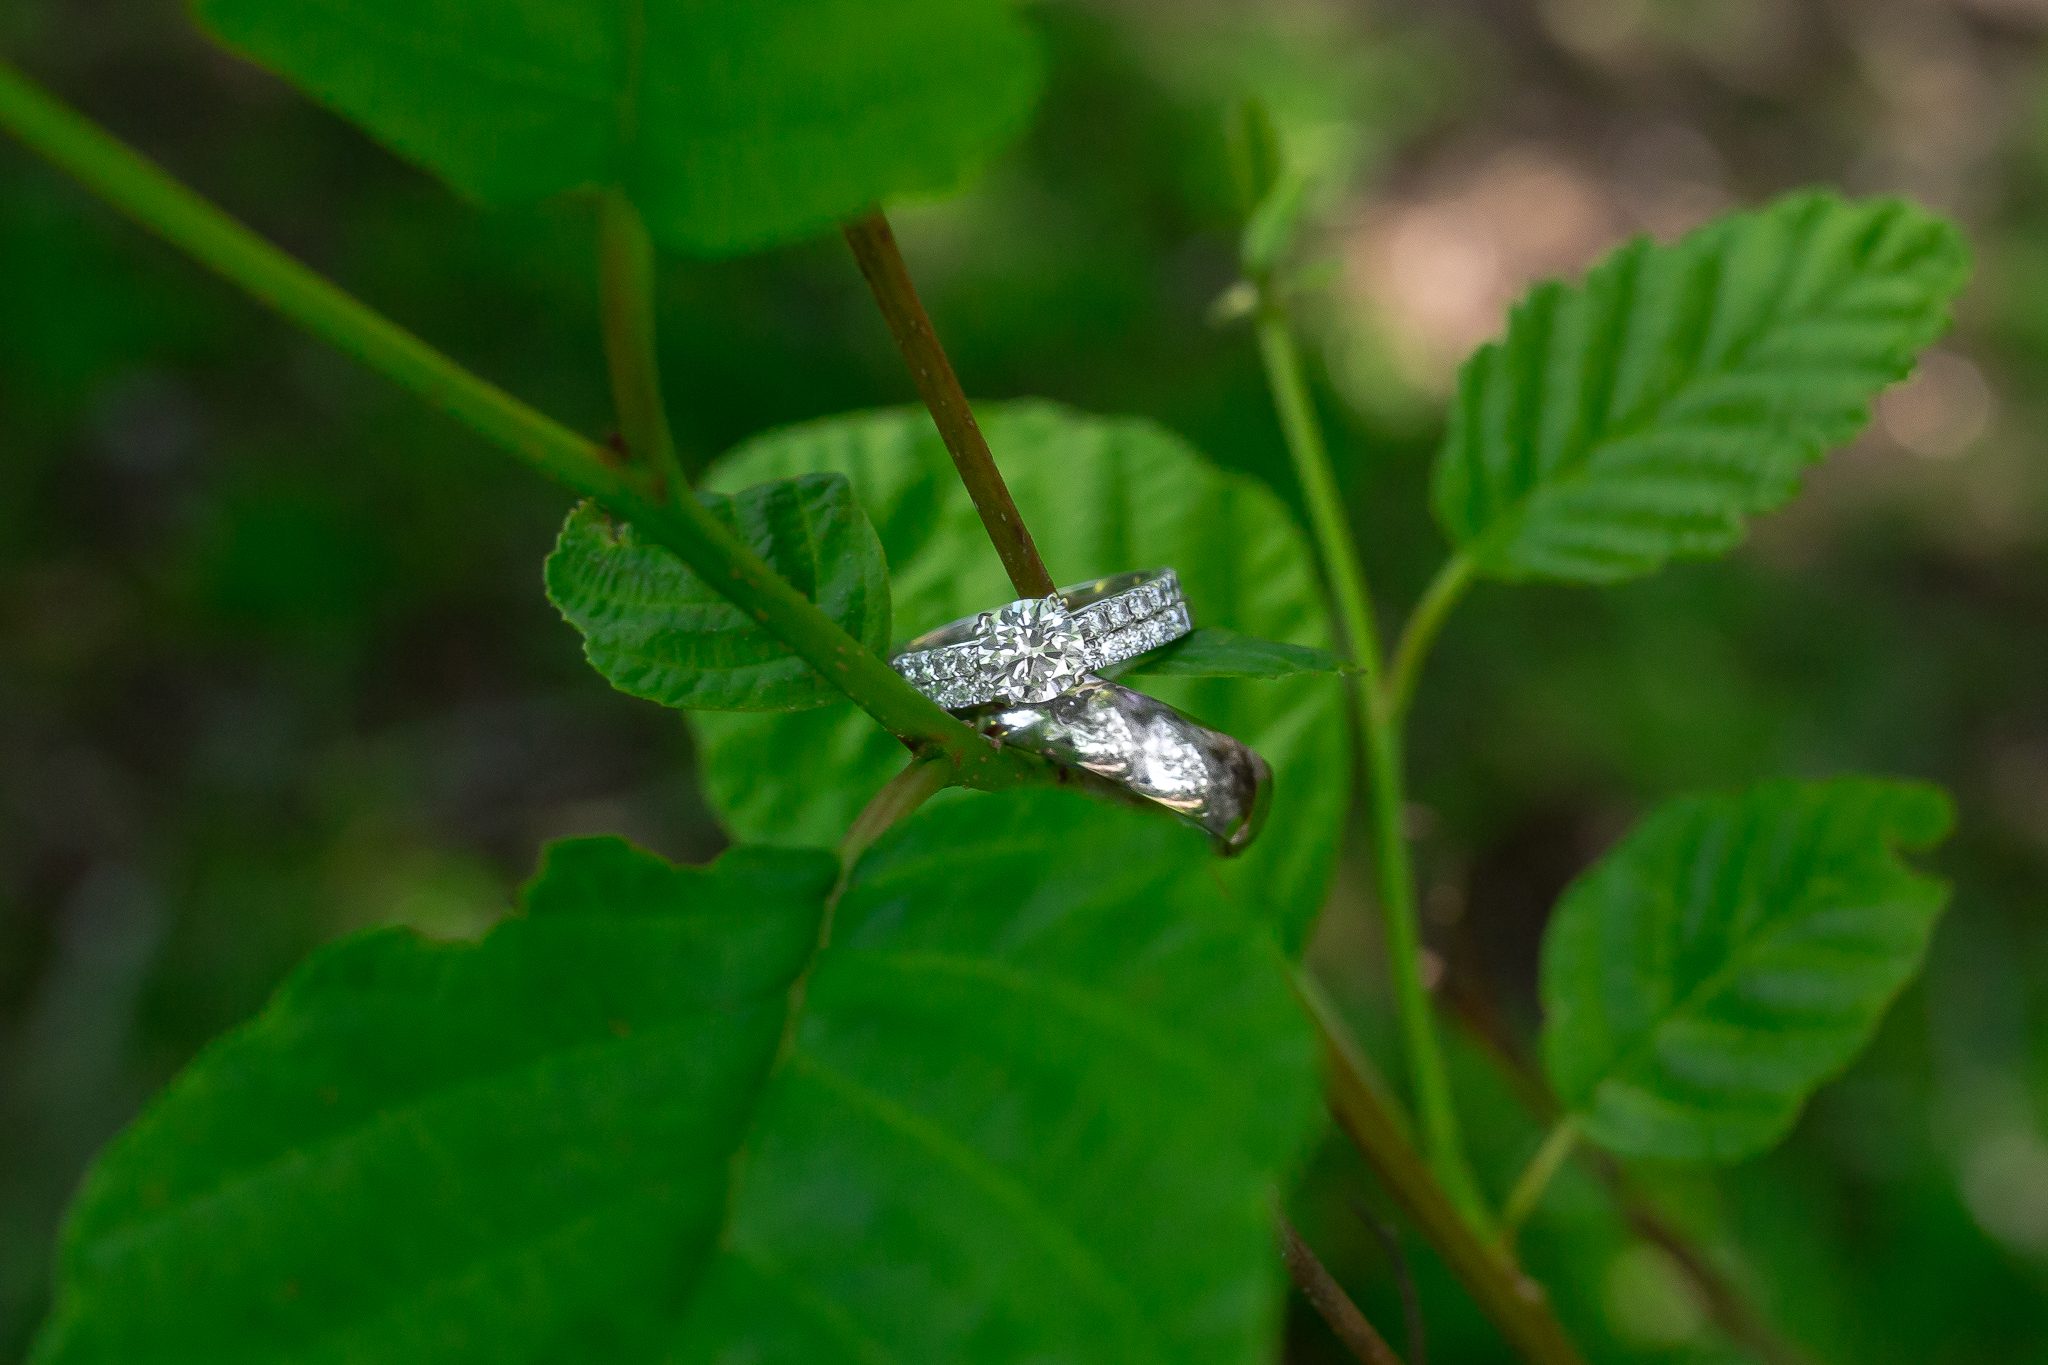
{"x":1044,"y":1086}
{"x":1729,"y":955}
{"x":1101,"y":495}
{"x":655,"y":629}
{"x":733,"y":125}
{"x":1642,"y":415}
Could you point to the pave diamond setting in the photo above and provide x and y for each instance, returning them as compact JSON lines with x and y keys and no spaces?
{"x":1036,"y":649}
{"x":1031,"y":650}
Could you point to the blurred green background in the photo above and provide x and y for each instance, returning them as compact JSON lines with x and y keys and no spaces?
{"x":275,"y":662}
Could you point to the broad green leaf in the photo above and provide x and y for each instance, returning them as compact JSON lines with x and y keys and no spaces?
{"x":1641,"y":416}
{"x":734,"y":124}
{"x":1214,"y":652}
{"x":653,"y":628}
{"x":1101,"y":495}
{"x":1733,"y":952}
{"x":1044,"y":1086}
{"x":514,"y":1150}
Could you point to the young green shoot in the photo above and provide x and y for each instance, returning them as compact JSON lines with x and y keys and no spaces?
{"x":1386,"y":783}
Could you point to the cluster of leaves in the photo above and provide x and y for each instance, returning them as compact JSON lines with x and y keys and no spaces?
{"x":599,"y":1132}
{"x":1734,"y":951}
{"x":1101,"y":496}
{"x":1021,"y":1082}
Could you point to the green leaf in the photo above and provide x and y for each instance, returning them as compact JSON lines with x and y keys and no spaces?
{"x":1641,"y":416}
{"x":1046,"y":1083}
{"x":654,"y":629}
{"x":1042,"y":1091}
{"x":1214,"y":652}
{"x":509,"y":1150}
{"x":1733,"y":952}
{"x":733,"y":125}
{"x":1101,"y":495}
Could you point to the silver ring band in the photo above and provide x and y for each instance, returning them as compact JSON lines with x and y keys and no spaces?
{"x":1034,"y":649}
{"x":1212,"y":781}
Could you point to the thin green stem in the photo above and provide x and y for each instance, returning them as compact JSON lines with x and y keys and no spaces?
{"x":1725,"y":1303}
{"x":143,"y":192}
{"x":1383,"y":763}
{"x":1318,"y":487}
{"x":1515,"y":1303}
{"x":1420,"y":633}
{"x":625,"y":272}
{"x":899,"y":796}
{"x":146,"y":194}
{"x":1536,"y":1177}
{"x":1404,"y":1279}
{"x":918,"y":782}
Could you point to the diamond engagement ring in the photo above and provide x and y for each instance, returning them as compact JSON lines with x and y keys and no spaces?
{"x":1147,"y":750}
{"x":1036,"y":649}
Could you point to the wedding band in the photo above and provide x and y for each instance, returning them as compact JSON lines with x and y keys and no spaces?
{"x":1210,"y":780}
{"x":1039,"y":647}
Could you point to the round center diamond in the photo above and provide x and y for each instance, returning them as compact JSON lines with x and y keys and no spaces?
{"x":1032,"y":650}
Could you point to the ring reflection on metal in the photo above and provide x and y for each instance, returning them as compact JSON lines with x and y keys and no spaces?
{"x":1037,"y":648}
{"x":1145,"y":746}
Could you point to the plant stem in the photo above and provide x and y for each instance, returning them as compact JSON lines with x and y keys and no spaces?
{"x":881,"y":263}
{"x":625,"y":272}
{"x":917,"y":783}
{"x":1404,"y":1279}
{"x":899,"y":796}
{"x":145,"y":193}
{"x":1730,"y":1311}
{"x":1420,"y":633}
{"x":1515,"y":1303}
{"x":1383,"y":763}
{"x":1328,"y":1298}
{"x":1536,"y":1177}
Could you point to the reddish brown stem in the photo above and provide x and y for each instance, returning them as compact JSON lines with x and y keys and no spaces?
{"x":1467,"y":990}
{"x":1404,"y":1279}
{"x":874,"y":246}
{"x":1515,"y":1302}
{"x":1725,"y":1304}
{"x":1328,"y":1298}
